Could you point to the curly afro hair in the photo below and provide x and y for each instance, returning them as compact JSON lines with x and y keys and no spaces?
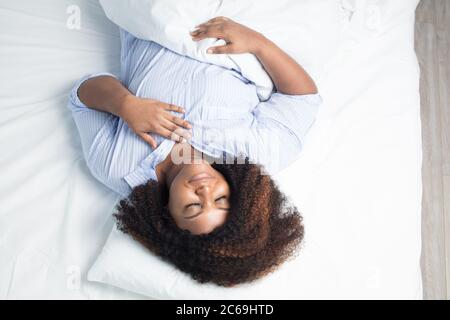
{"x":261,"y":232}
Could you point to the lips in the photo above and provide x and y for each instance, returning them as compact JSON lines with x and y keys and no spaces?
{"x":199,"y":177}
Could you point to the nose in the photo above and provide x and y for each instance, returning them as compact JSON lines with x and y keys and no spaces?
{"x":205,"y":194}
{"x":203,"y":189}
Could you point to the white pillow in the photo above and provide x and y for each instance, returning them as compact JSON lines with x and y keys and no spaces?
{"x":308,"y":30}
{"x":127,"y":264}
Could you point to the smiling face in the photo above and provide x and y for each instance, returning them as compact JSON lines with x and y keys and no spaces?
{"x":199,"y":198}
{"x":261,"y":224}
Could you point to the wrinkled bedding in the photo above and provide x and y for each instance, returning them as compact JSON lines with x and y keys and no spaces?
{"x":357,"y":182}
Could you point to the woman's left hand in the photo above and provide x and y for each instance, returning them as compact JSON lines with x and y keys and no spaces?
{"x":238,"y":38}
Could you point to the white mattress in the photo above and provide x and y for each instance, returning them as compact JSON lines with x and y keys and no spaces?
{"x":358,"y":181}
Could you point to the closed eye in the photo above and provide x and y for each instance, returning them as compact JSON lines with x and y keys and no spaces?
{"x":196,"y":204}
{"x":192,"y":205}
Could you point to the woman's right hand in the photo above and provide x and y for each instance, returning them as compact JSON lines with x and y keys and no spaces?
{"x":145,"y":116}
{"x":238,"y":38}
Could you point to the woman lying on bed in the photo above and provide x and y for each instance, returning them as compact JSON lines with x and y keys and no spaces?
{"x":153,"y":136}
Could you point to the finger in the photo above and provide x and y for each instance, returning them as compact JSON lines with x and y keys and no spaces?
{"x":149,"y":139}
{"x":204,"y":28}
{"x":210,"y":32}
{"x":208,"y":24}
{"x":204,"y":24}
{"x":168,"y":134}
{"x":180,"y":122}
{"x":172,"y":127}
{"x":228,"y":48}
{"x":196,"y":32}
{"x":200,"y":29}
{"x":171,"y":107}
{"x":202,"y":34}
{"x":199,"y":37}
{"x":205,"y":35}
{"x":184,"y":134}
{"x":219,"y":19}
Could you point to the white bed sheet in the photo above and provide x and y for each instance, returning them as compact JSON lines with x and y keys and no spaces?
{"x":357,"y":182}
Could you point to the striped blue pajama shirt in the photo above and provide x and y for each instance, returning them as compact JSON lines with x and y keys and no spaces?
{"x":222,"y":106}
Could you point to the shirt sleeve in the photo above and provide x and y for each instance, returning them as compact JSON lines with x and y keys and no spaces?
{"x":88,"y":121}
{"x":279,"y":129}
{"x":97,"y":132}
{"x":294,"y":114}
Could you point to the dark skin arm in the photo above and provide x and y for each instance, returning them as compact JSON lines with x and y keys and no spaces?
{"x":143,"y":116}
{"x":288,"y":76}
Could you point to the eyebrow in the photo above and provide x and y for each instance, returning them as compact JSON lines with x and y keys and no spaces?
{"x":199,"y":213}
